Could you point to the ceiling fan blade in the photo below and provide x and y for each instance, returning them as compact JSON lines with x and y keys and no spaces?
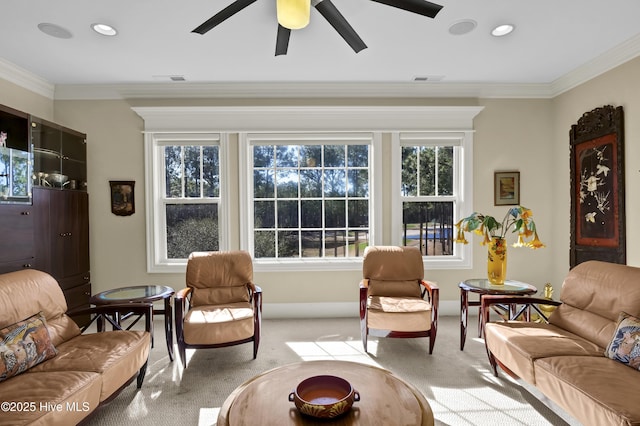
{"x":282,"y":41}
{"x":421,"y":7}
{"x":223,"y":15}
{"x":337,"y":21}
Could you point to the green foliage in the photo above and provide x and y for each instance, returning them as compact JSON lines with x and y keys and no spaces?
{"x":191,"y":235}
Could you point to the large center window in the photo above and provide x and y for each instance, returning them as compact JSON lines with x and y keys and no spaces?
{"x":310,"y":196}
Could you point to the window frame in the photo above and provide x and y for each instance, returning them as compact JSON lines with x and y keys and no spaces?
{"x":462,"y":189}
{"x":156,"y":200}
{"x":247,"y":140}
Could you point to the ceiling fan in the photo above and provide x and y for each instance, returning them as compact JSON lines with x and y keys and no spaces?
{"x":298,"y":11}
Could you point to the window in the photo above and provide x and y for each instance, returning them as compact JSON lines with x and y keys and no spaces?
{"x":429,"y":176}
{"x":186,"y":197}
{"x":309,"y":196}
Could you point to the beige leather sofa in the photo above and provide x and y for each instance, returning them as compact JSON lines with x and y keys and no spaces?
{"x":83,"y":371}
{"x":565,"y":358}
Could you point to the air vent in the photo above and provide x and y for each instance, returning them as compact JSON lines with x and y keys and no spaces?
{"x":428,"y":78}
{"x":169,"y":77}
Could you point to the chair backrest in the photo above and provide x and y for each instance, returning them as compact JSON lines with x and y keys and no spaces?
{"x":219,"y":277}
{"x":27,"y":292}
{"x":593,"y":295}
{"x":393,"y":270}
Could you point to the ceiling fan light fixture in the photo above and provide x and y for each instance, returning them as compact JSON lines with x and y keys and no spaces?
{"x":293,"y":14}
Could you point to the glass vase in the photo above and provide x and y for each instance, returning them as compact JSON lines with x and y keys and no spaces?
{"x":497,"y":260}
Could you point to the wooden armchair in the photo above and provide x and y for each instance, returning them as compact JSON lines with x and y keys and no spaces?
{"x":221,"y":306}
{"x":395,"y":300}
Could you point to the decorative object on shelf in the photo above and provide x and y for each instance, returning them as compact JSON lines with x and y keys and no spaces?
{"x":506,"y":188}
{"x":122,"y":197}
{"x":597,"y":187}
{"x":519,"y":218}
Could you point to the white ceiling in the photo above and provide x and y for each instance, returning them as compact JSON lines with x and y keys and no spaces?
{"x":553,"y":39}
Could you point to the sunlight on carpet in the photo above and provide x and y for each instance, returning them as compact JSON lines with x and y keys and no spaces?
{"x":459,"y":385}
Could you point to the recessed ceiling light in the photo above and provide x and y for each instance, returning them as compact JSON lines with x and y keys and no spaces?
{"x":502,"y":30}
{"x":462,"y":27}
{"x":104,"y":29}
{"x":54,"y":30}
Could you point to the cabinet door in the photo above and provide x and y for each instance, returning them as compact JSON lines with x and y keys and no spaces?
{"x":70,"y":238}
{"x":16,"y":233}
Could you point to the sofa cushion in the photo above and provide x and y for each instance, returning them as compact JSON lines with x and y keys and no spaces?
{"x":23,"y":345}
{"x":625,"y":345}
{"x":594,"y":389}
{"x":593,"y":295}
{"x":24,"y":292}
{"x":60,"y":398}
{"x":212,"y":324}
{"x":116,"y":355}
{"x":518,"y":345}
{"x":398,"y":313}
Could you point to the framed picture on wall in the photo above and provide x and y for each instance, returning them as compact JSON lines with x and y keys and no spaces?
{"x":122,"y":197}
{"x":506,"y":188}
{"x":597,"y":187}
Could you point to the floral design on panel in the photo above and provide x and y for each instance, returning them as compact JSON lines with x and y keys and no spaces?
{"x":593,"y":184}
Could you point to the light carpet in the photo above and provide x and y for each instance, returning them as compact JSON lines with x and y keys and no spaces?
{"x":459,"y":385}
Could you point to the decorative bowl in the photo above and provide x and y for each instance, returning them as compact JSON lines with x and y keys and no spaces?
{"x":57,"y":179}
{"x":324,"y":397}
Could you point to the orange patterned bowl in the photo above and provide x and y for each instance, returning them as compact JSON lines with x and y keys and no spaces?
{"x":324,"y":396}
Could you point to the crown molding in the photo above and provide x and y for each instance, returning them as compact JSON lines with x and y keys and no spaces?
{"x":302,"y":90}
{"x":294,"y":118}
{"x":26,"y":79}
{"x":322,"y":90}
{"x":617,"y":56}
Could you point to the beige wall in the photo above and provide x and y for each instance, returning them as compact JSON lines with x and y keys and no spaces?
{"x":511,"y":135}
{"x":618,"y":87}
{"x":18,"y":98}
{"x":530,"y":136}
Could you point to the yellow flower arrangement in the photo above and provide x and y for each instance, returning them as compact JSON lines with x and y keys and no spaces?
{"x":519,"y":218}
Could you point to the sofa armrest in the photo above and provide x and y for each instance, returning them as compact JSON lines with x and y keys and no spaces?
{"x":113,"y":311}
{"x":515,"y":305}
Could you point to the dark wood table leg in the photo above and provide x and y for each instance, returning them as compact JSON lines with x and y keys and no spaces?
{"x":168,"y":326}
{"x":480,"y":322}
{"x":464,"y":316}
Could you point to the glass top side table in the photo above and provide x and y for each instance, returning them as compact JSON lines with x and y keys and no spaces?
{"x":142,"y":293}
{"x":483,"y":286}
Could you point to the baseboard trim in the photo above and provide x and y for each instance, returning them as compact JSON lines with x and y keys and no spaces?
{"x":337,"y":310}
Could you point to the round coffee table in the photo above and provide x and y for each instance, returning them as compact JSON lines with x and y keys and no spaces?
{"x":483,"y":286}
{"x":142,"y":293}
{"x":385,"y":399}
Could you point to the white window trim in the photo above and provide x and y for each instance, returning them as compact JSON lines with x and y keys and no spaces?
{"x":154,"y":161}
{"x":462,"y":254}
{"x":238,"y":119}
{"x":373,"y":139}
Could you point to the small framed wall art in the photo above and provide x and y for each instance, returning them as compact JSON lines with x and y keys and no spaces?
{"x":122,"y":197}
{"x":506,"y":188}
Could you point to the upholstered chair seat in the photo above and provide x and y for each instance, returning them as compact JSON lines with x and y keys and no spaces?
{"x":221,"y":306}
{"x":395,"y":300}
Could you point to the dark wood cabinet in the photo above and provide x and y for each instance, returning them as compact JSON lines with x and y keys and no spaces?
{"x":62,"y":240}
{"x":44,"y":206}
{"x":17,"y":250}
